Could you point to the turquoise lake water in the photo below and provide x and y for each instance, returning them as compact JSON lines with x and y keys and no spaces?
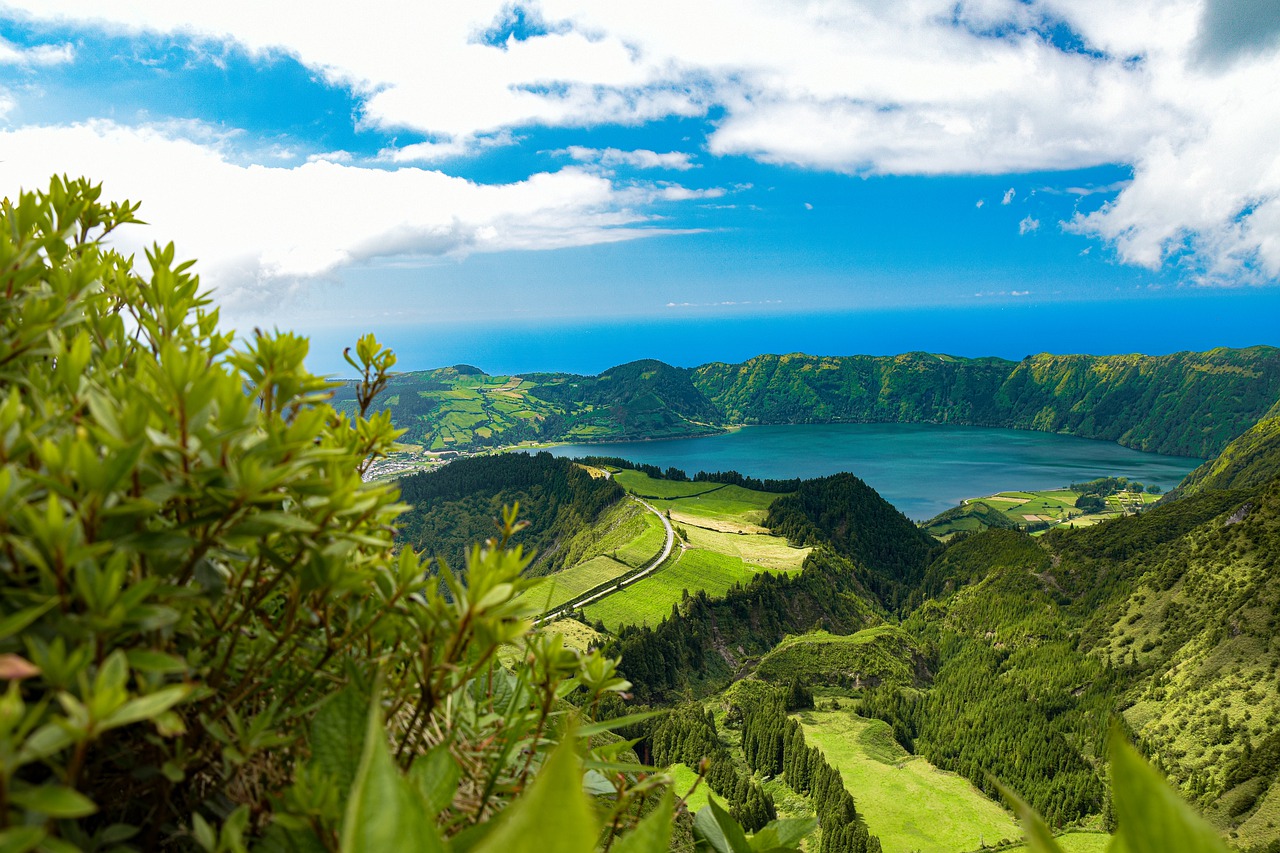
{"x":922,"y":469}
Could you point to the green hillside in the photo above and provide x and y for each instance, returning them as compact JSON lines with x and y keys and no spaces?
{"x":1250,"y":460}
{"x":884,"y":654}
{"x":1187,"y":403}
{"x":571,"y":515}
{"x":462,"y":408}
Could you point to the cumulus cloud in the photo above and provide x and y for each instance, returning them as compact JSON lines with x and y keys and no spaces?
{"x":40,"y":55}
{"x":1183,"y":91}
{"x":1008,"y":195}
{"x":259,"y":231}
{"x":678,"y":161}
{"x":444,"y":149}
{"x":980,"y":203}
{"x":1028,"y":225}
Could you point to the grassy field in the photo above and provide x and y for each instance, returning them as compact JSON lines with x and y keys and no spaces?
{"x":1053,"y":506}
{"x":572,"y":582}
{"x":641,"y":550}
{"x":684,"y":778}
{"x":713,"y":562}
{"x":908,"y":802}
{"x":576,"y":634}
{"x":640,"y":483}
{"x":1073,"y":842}
{"x":648,"y":601}
{"x":727,"y":508}
{"x":759,"y":550}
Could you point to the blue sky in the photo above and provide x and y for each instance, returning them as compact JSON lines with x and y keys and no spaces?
{"x":702,"y":181}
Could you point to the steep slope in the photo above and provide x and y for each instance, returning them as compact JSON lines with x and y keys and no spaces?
{"x":846,"y":514}
{"x":1197,"y":628}
{"x":650,"y":393}
{"x":462,"y":408}
{"x":455,"y":506}
{"x":1250,"y":460}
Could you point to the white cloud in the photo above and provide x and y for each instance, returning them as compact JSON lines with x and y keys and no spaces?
{"x":331,"y":157}
{"x":642,"y":158}
{"x":980,"y":203}
{"x":1008,"y":195}
{"x":260,"y":231}
{"x":1028,"y":225}
{"x":448,"y":149}
{"x":40,"y":55}
{"x":854,"y":86}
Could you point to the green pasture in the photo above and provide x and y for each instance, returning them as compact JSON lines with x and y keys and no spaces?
{"x":572,"y":582}
{"x":646,"y":545}
{"x":648,"y":601}
{"x":708,"y":504}
{"x":684,"y":777}
{"x":1075,"y":842}
{"x":713,"y":562}
{"x":1056,"y":506}
{"x":757,"y":549}
{"x":910,"y":804}
{"x":640,"y":483}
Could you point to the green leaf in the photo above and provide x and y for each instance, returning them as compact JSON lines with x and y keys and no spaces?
{"x":435,"y":777}
{"x":20,"y":839}
{"x":145,"y":660}
{"x":784,"y":834}
{"x":554,"y":800}
{"x":54,"y":801}
{"x":1039,"y":837}
{"x":15,"y":622}
{"x":337,"y":736}
{"x":1150,"y":816}
{"x":714,"y":825}
{"x":652,"y":833}
{"x":145,"y":707}
{"x":383,"y":810}
{"x":597,"y":784}
{"x":45,"y":741}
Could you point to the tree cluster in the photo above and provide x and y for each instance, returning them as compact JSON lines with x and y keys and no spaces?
{"x":687,"y":735}
{"x":774,"y":744}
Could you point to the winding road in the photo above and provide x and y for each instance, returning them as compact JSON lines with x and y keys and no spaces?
{"x":574,"y":604}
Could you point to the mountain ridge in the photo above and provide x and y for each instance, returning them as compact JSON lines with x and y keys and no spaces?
{"x":1185,"y":403}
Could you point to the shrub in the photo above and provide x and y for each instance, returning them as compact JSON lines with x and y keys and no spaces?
{"x":199,"y":596}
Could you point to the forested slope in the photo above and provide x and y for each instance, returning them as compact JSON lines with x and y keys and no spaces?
{"x":1184,"y":404}
{"x":455,"y":506}
{"x":846,"y":514}
{"x":1250,"y":460}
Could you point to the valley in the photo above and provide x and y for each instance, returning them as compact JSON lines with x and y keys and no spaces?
{"x":939,"y":658}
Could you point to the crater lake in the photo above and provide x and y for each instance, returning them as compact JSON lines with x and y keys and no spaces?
{"x":922,"y":469}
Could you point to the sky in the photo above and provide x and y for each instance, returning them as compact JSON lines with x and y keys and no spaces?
{"x":565,"y":185}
